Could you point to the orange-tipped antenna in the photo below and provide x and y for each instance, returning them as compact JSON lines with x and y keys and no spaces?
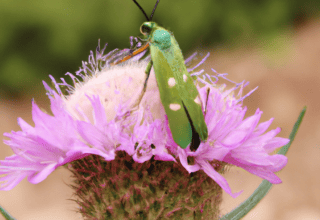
{"x":137,"y":51}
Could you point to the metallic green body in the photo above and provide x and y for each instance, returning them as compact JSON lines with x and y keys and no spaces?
{"x":168,"y":63}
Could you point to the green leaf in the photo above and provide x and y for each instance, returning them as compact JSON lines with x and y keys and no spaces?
{"x":265,"y":186}
{"x":5,"y":214}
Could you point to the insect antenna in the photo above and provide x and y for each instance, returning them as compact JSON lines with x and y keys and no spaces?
{"x":155,"y":6}
{"x":145,"y":14}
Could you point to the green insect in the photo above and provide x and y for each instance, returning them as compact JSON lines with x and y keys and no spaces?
{"x":179,"y":95}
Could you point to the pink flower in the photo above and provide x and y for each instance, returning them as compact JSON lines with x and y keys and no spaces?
{"x":236,"y":140}
{"x":93,"y":118}
{"x":41,"y":149}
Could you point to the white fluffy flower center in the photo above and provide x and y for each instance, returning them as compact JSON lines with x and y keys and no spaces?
{"x":114,"y":86}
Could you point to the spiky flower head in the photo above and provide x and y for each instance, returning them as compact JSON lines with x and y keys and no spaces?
{"x":124,"y":160}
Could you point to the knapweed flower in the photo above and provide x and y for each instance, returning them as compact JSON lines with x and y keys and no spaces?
{"x":92,"y":118}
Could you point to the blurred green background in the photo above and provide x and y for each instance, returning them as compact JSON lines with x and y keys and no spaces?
{"x":38,"y":38}
{"x":42,"y":37}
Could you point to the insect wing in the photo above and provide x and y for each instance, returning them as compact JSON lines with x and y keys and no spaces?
{"x":178,"y":120}
{"x":186,"y":89}
{"x":188,"y":92}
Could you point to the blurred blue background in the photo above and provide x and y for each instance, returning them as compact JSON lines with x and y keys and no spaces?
{"x":42,"y":37}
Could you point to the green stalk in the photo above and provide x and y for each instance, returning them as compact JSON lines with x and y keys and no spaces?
{"x":265,"y":186}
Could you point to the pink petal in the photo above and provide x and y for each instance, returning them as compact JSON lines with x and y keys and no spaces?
{"x":208,"y":169}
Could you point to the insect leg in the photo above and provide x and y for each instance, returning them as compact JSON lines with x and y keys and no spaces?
{"x":138,"y":100}
{"x":132,"y":54}
{"x":148,"y":70}
{"x":205,"y":110}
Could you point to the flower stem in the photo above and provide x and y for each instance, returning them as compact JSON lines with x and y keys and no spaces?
{"x":5,"y":214}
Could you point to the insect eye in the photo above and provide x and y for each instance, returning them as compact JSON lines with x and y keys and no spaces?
{"x":145,"y":29}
